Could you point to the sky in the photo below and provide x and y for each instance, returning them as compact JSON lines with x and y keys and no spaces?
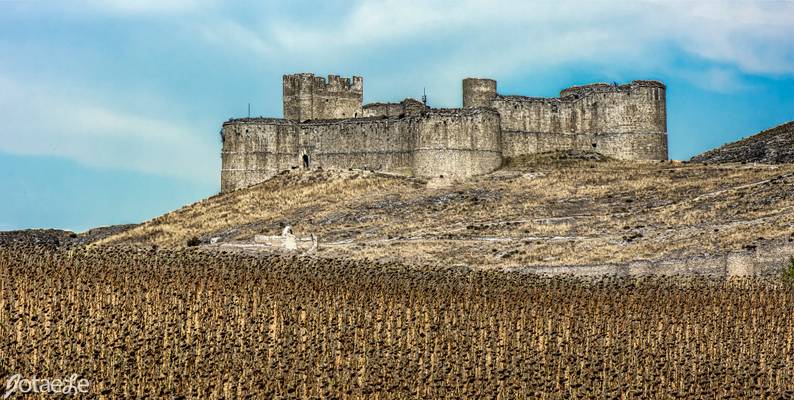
{"x":110,"y":110}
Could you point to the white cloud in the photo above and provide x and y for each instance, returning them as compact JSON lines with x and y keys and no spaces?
{"x":506,"y":36}
{"x":756,"y":37}
{"x":47,"y":119}
{"x":225,"y":32}
{"x":141,"y":7}
{"x":716,"y":79}
{"x":399,"y":45}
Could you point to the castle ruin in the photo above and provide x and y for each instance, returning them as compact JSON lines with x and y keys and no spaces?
{"x":327,"y":125}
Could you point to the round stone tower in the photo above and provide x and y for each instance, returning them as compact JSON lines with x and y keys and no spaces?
{"x":457,"y":143}
{"x":478,"y":92}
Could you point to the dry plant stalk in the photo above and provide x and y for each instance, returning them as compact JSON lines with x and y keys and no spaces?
{"x":164,"y":323}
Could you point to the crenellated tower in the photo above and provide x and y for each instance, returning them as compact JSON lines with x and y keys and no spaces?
{"x":308,"y":97}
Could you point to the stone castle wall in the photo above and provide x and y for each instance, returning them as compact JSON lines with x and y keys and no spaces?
{"x":326,"y":126}
{"x":378,"y":144}
{"x":627,"y":122}
{"x":636,"y":107}
{"x":254,"y":148}
{"x":641,"y":146}
{"x":457,"y":143}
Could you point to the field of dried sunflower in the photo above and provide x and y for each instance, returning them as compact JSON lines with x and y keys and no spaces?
{"x":157,"y":324}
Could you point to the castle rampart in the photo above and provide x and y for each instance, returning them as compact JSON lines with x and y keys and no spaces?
{"x":425,"y":145}
{"x":598,"y":108}
{"x":457,"y":143}
{"x":622,"y":121}
{"x":326,"y":126}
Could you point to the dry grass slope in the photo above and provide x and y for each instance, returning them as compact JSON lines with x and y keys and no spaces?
{"x":547,"y":210}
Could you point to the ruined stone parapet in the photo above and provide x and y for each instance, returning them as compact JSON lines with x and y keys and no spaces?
{"x":383,"y":110}
{"x":583,"y":90}
{"x":412,"y":107}
{"x":407,"y":107}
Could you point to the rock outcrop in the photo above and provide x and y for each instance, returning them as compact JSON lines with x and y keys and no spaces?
{"x":772,"y":146}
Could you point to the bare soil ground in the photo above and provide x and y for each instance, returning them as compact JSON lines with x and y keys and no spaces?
{"x":547,"y":210}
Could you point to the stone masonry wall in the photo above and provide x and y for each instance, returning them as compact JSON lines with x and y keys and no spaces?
{"x":308,"y":97}
{"x":640,"y":146}
{"x":478,"y":92}
{"x":626,"y":108}
{"x":255,"y":149}
{"x":373,"y":143}
{"x":458,"y":143}
{"x":625,"y":122}
{"x":439,"y":142}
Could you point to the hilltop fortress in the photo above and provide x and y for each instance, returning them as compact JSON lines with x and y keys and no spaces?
{"x":327,"y":125}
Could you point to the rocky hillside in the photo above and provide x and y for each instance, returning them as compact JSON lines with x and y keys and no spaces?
{"x":57,"y":238}
{"x":772,"y":146}
{"x":552,"y":211}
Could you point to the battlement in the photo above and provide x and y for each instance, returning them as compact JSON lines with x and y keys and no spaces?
{"x":258,"y":120}
{"x":601,"y":87}
{"x":429,"y":112}
{"x":459,"y":112}
{"x":528,"y":99}
{"x":308,"y":97}
{"x":313,"y":122}
{"x":407,"y":107}
{"x":334,"y":83}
